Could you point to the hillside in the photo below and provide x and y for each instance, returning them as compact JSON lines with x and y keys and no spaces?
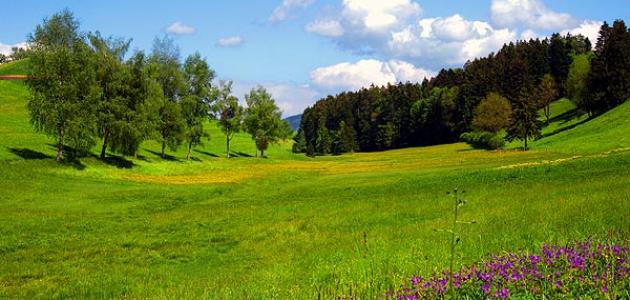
{"x":19,"y":67}
{"x":294,"y":121}
{"x":289,"y":226}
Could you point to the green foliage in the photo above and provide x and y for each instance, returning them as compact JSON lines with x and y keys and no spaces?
{"x":493,"y":114}
{"x":263,"y":119}
{"x":524,"y":123}
{"x":198,"y":99}
{"x":609,"y":79}
{"x":577,"y":81}
{"x":165,"y":72}
{"x":113,"y":78}
{"x":62,"y":78}
{"x":483,"y":140}
{"x":545,"y":93}
{"x":229,"y":111}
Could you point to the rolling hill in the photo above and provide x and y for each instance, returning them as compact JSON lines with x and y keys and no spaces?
{"x":289,"y":226}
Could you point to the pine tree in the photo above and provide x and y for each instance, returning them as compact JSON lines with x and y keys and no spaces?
{"x":524,"y":123}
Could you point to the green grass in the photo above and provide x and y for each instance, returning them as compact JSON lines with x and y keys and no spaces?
{"x":19,"y":67}
{"x":288,"y":226}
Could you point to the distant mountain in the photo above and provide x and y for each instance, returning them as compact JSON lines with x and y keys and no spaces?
{"x":294,"y":121}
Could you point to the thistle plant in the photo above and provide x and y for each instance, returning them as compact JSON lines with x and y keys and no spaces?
{"x":458,"y":202}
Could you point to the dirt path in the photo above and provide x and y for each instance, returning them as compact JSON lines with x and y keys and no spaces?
{"x":13,"y":77}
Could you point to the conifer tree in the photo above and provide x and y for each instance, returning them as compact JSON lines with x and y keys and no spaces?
{"x":524,"y":122}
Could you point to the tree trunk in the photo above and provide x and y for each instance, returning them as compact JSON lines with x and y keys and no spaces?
{"x":525,"y":143}
{"x":60,"y":145}
{"x":227,"y":138}
{"x":547,"y":113}
{"x":163,"y":150}
{"x":189,"y":150}
{"x":105,"y":140}
{"x":262,"y":153}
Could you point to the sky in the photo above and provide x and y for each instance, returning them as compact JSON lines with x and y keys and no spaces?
{"x":304,"y":50}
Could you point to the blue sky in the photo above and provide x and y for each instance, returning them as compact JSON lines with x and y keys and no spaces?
{"x":302,"y":50}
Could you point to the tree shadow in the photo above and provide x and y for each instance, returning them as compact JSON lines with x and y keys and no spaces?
{"x":567,"y":116}
{"x":240,"y":154}
{"x":559,"y":130}
{"x":205,"y":153}
{"x":166,"y":156}
{"x":118,"y":161}
{"x":29,"y":154}
{"x":71,"y":157}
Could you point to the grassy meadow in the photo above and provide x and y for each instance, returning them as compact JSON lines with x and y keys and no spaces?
{"x":288,"y":226}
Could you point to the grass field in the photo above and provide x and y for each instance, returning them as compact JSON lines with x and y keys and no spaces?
{"x":289,"y":226}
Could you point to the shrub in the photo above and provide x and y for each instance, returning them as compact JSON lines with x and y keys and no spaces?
{"x":483,"y":140}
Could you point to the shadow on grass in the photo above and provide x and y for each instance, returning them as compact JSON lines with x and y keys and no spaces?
{"x":166,"y":157}
{"x":205,"y":153}
{"x":71,"y":157}
{"x":29,"y":154}
{"x":118,"y":161}
{"x":240,"y":154}
{"x":559,"y":130}
{"x":567,"y":116}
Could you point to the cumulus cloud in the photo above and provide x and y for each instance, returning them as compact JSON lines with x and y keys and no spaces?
{"x":588,"y":28}
{"x":530,"y":13}
{"x":230,"y":41}
{"x":451,"y":40}
{"x":7,"y":49}
{"x":330,"y":28}
{"x":283,"y":11}
{"x":394,"y":30}
{"x":378,"y":15}
{"x":180,"y":28}
{"x":363,"y":73}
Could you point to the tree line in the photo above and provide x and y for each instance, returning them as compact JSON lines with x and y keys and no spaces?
{"x":487,"y":101}
{"x":85,"y":90}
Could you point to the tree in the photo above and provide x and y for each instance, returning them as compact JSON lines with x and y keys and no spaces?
{"x":3,"y":58}
{"x":524,"y":123}
{"x":229,"y":111}
{"x":577,"y":82}
{"x":62,"y":79}
{"x":559,"y":60}
{"x":609,"y":79}
{"x":345,"y":139}
{"x":263,"y":119}
{"x":545,"y":93}
{"x":493,"y":114}
{"x":113,"y":77}
{"x":198,"y":79}
{"x":165,"y":70}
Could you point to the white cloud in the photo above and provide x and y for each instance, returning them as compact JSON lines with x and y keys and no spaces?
{"x":452,"y":40}
{"x":180,"y":28}
{"x":330,"y":28}
{"x":378,"y":15}
{"x":230,"y":41}
{"x":363,"y":73}
{"x":533,"y":14}
{"x":283,"y":11}
{"x":7,"y":49}
{"x":588,"y":28}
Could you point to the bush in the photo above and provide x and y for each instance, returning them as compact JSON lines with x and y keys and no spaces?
{"x":483,"y":140}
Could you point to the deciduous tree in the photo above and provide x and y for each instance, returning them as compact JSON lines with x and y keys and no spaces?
{"x":263,"y":119}
{"x":229,"y":112}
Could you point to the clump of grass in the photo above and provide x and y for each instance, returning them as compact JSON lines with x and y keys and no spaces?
{"x":588,"y":269}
